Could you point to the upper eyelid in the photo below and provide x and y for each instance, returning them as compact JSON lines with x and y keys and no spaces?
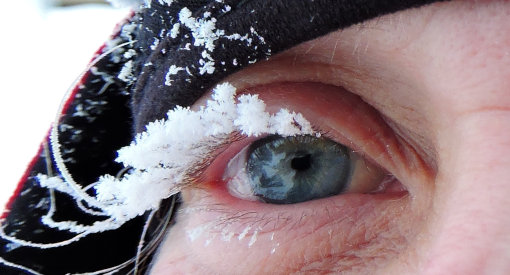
{"x":388,"y":154}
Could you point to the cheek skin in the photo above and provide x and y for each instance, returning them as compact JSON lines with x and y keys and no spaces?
{"x":470,"y":222}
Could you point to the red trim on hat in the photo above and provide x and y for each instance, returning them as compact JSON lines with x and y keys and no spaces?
{"x":21,"y":183}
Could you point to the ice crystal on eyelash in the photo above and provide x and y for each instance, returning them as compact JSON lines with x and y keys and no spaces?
{"x":251,"y":105}
{"x":171,"y":149}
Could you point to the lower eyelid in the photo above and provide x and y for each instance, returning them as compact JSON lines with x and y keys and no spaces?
{"x":220,"y":213}
{"x":335,"y":229}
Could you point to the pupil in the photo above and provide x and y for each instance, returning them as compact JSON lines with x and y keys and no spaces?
{"x":301,"y":163}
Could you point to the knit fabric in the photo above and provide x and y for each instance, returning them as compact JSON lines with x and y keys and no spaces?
{"x":165,"y":55}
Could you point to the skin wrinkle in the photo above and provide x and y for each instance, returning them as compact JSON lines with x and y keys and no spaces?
{"x":255,"y":220}
{"x":246,"y":218}
{"x":339,"y":261}
{"x":420,"y":146}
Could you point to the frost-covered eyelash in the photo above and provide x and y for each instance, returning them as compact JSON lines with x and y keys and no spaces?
{"x":173,"y":153}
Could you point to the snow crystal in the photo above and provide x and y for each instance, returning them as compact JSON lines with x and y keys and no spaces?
{"x":203,"y":31}
{"x":206,"y":67}
{"x":251,"y":106}
{"x":168,"y":2}
{"x":129,"y":53}
{"x":126,"y":73}
{"x":204,"y":34}
{"x":172,"y":71}
{"x":175,"y":30}
{"x":54,"y":183}
{"x":154,"y":44}
{"x":227,"y":9}
{"x":186,"y":47}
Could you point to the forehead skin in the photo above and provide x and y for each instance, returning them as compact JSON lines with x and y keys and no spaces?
{"x":440,"y":77}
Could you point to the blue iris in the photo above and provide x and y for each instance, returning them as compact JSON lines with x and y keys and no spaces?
{"x":285,"y":170}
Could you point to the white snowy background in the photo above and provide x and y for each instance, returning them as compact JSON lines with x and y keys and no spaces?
{"x":42,"y":51}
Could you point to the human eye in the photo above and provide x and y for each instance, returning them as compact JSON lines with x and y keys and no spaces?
{"x":278,"y":169}
{"x":286,"y":170}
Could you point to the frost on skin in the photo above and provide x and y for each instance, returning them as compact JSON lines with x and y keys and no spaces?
{"x":172,"y":149}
